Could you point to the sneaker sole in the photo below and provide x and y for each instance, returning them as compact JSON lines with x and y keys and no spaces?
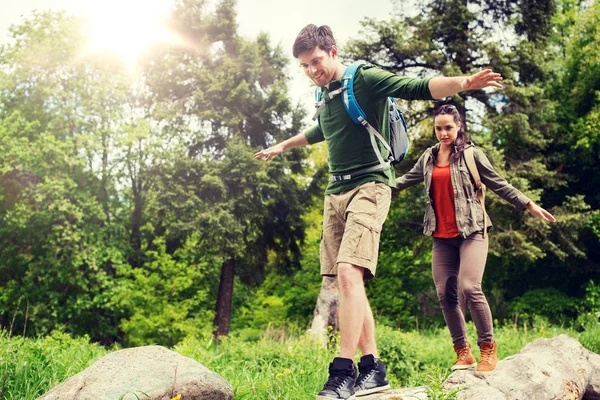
{"x":374,"y":390}
{"x":459,"y":367}
{"x":484,"y":373}
{"x":330,"y":398}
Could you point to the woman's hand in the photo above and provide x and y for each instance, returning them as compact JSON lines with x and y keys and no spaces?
{"x":539,"y":212}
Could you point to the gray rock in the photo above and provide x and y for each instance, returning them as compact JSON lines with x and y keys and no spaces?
{"x":558,"y":368}
{"x":593,"y":389}
{"x":416,"y":393}
{"x":154,"y":371}
{"x":550,"y":369}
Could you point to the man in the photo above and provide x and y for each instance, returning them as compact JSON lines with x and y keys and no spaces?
{"x":356,"y":208}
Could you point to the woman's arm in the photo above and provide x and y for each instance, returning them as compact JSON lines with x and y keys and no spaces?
{"x":508,"y":192}
{"x":414,"y":176}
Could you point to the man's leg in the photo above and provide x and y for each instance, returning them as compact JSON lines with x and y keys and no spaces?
{"x":372,"y":373}
{"x":361,"y":212}
{"x":366,"y":343}
{"x":342,"y":371}
{"x":353,"y":307}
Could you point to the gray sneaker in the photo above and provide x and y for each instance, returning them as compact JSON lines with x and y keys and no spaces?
{"x":340,"y":385}
{"x":372,"y":376}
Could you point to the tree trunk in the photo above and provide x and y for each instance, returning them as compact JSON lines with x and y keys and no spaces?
{"x":136,"y":225}
{"x":326,"y":311}
{"x":104,"y":180}
{"x":223,"y":314}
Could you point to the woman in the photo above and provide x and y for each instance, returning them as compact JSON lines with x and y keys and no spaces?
{"x":455,"y":219}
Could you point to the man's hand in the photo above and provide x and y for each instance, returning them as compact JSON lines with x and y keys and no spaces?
{"x":539,"y":212}
{"x":268,"y":154}
{"x":441,"y":87}
{"x":482,"y":79}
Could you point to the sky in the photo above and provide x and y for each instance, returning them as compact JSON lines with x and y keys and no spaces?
{"x":281,"y":19}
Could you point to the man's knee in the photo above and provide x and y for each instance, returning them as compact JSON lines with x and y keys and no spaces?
{"x":349,"y":277}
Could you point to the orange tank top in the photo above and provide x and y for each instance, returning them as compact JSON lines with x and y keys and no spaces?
{"x":442,"y":194}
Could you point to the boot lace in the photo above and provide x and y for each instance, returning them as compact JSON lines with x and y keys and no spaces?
{"x":336,"y":381}
{"x":486,"y":355}
{"x":462,"y":353}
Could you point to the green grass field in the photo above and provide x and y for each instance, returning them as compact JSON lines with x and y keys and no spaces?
{"x":275,"y":366}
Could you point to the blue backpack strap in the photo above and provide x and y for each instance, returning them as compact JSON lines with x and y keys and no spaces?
{"x":318,"y":96}
{"x":354,"y":110}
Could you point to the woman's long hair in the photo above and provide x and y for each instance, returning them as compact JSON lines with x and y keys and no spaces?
{"x":461,"y":137}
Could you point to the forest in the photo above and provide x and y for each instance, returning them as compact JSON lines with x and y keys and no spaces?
{"x":133,"y":212}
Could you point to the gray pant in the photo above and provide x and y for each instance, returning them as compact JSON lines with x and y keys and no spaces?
{"x":457,"y":265}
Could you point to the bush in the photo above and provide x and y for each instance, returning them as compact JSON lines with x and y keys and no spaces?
{"x":592,"y":297}
{"x":34,"y":366}
{"x":590,"y":336}
{"x":549,"y":302}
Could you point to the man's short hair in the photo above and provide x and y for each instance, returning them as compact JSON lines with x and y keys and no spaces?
{"x":312,"y":36}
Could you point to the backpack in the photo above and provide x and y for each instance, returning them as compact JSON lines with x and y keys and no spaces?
{"x":398,"y":144}
{"x":472,"y":167}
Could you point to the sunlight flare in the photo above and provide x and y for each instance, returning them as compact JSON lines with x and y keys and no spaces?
{"x":128,"y":28}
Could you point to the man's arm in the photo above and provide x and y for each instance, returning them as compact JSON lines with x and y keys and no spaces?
{"x":441,"y":87}
{"x":296,"y":141}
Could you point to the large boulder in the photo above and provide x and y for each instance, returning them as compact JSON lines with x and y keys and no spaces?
{"x":593,"y":389}
{"x":142,"y":372}
{"x":558,"y":368}
{"x":553,"y":369}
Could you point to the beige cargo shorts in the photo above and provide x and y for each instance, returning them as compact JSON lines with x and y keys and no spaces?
{"x":352,"y":224}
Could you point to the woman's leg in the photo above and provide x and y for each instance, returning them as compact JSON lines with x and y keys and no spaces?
{"x":445,"y":270}
{"x":473,"y":256}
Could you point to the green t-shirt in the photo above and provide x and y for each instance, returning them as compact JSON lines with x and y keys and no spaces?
{"x":348,"y":143}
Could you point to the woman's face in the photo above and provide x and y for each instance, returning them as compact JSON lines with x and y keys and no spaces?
{"x":446,"y":130}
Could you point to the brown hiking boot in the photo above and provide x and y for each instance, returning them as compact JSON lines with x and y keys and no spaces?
{"x":464,"y":357}
{"x":488,"y":359}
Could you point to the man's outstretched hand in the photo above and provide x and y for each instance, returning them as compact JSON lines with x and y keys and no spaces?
{"x":268,"y":154}
{"x":482,"y":79}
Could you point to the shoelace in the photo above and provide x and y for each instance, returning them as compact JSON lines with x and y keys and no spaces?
{"x":363,"y":377}
{"x":462,"y":353}
{"x":336,"y":381}
{"x":486,"y":356}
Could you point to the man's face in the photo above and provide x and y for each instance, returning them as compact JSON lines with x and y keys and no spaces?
{"x":320,"y":66}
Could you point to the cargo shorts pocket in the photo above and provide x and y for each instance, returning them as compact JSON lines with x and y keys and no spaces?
{"x":367,"y":232}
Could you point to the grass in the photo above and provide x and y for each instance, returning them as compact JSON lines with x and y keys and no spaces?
{"x":274,"y":366}
{"x":36,"y":365}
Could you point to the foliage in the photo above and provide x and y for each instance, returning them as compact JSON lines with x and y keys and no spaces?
{"x":547,"y":302}
{"x":163,"y":300}
{"x":34,"y":366}
{"x":58,"y":252}
{"x":123,"y":197}
{"x":278,"y":365}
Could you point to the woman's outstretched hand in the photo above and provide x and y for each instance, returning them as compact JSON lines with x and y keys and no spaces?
{"x":539,"y":212}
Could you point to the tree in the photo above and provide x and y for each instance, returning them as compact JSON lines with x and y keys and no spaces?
{"x":230,"y":95}
{"x":58,"y":250}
